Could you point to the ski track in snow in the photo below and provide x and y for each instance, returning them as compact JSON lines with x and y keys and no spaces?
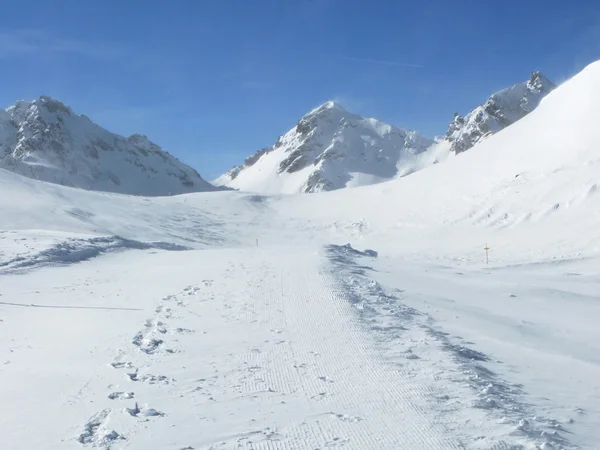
{"x":309,"y":352}
{"x":298,"y":387}
{"x":287,"y":363}
{"x":266,"y":352}
{"x":406,"y":333}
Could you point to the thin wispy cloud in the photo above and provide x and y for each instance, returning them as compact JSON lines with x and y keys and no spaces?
{"x":351,"y":103}
{"x":382,"y":62}
{"x":19,"y":43}
{"x":256,"y":85}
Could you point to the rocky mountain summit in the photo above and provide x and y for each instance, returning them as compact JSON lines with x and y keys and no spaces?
{"x":43,"y":139}
{"x":502,"y":109}
{"x":329,"y":148}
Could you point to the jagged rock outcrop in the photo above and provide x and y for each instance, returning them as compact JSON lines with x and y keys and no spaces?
{"x":501,"y":110}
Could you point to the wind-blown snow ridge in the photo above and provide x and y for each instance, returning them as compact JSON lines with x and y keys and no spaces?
{"x":45,"y":140}
{"x":78,"y":250}
{"x":329,"y":148}
{"x":502,"y":109}
{"x":399,"y":329}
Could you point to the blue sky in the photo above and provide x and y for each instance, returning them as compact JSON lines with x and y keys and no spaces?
{"x":211,"y":81}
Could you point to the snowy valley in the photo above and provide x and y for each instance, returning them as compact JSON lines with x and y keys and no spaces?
{"x":362,"y":318}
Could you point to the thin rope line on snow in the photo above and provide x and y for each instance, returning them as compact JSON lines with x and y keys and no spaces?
{"x":33,"y":305}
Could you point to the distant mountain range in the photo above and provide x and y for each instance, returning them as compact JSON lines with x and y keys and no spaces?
{"x":331,"y":148}
{"x":45,"y":140}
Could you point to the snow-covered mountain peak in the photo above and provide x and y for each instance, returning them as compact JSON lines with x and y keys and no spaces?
{"x":328,"y":114}
{"x":539,"y":82}
{"x":52,"y":105}
{"x":502,"y":109}
{"x":329,"y":107}
{"x":45,"y":107}
{"x":43,"y":139}
{"x":329,"y":148}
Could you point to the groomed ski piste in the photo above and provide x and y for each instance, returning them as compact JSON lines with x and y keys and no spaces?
{"x":362,"y":318}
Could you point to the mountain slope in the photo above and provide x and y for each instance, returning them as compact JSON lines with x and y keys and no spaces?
{"x":543,"y":169}
{"x":330,"y":148}
{"x":45,"y":140}
{"x":501,"y":110}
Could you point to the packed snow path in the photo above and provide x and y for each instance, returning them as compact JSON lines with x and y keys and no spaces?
{"x":253,"y":349}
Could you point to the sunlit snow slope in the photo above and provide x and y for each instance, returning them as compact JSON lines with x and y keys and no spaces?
{"x":541,"y":171}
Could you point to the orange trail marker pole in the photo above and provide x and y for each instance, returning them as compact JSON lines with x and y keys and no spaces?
{"x":486,"y":248}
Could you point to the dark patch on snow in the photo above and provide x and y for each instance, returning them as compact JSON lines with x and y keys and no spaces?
{"x":351,"y":251}
{"x":121,"y":395}
{"x":95,"y":434}
{"x":145,"y":344}
{"x":80,"y":214}
{"x":257,"y":198}
{"x":463,"y":352}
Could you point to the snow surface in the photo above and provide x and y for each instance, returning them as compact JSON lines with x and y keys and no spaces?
{"x":231,"y":320}
{"x":330,"y":148}
{"x":45,"y":140}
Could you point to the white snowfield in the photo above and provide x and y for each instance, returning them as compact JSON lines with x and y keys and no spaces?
{"x":226,"y":320}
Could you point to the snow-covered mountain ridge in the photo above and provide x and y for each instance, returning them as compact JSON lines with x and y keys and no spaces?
{"x":45,"y":140}
{"x":502,"y":109}
{"x":329,"y":148}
